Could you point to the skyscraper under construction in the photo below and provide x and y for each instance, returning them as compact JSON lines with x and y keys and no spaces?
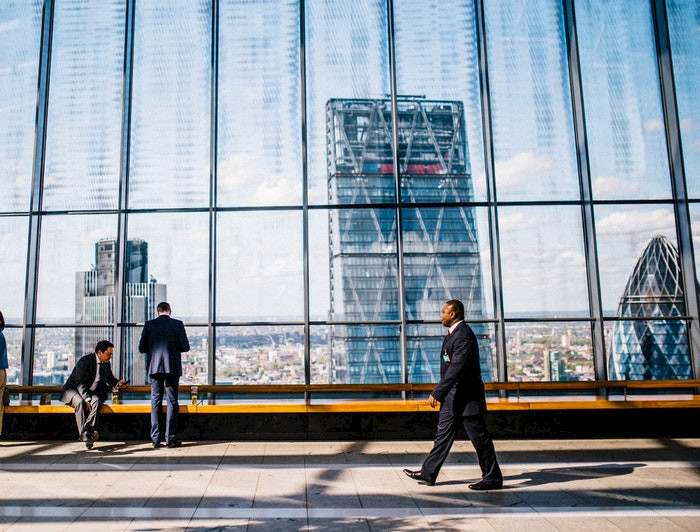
{"x":440,"y":248}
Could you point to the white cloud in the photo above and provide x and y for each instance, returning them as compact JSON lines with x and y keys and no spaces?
{"x":613,"y":186}
{"x":520,"y":168}
{"x":626,"y":222}
{"x":687,"y":124}
{"x":653,"y":124}
{"x":249,"y":178}
{"x":518,"y":222}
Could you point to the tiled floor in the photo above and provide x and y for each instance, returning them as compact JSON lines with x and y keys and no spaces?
{"x":549,"y":485}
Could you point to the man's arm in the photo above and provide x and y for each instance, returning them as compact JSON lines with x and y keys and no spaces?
{"x":184,"y":342}
{"x":83,"y":379}
{"x":143,"y":342}
{"x":464,"y":346}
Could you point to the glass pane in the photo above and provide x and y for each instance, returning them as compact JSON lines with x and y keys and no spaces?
{"x":176,"y":263}
{"x":557,"y":351}
{"x":57,"y":349}
{"x":424,"y":343}
{"x":13,"y":265}
{"x":347,"y":57}
{"x":171,"y":104}
{"x":695,"y":229}
{"x":624,"y":118}
{"x":443,"y":259}
{"x":355,"y":354}
{"x":259,"y":143}
{"x":76,"y":269}
{"x":195,"y":364}
{"x":259,"y":266}
{"x":683,"y":21}
{"x":13,"y":339}
{"x":260,"y":355}
{"x":443,"y":67}
{"x":648,"y":350}
{"x":353,"y":265}
{"x":20,"y":32}
{"x":638,"y":255}
{"x":543,"y":262}
{"x":83,"y":142}
{"x":533,"y":134}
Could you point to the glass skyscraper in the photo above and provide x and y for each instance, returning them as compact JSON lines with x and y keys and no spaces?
{"x":441,"y":251}
{"x":653,"y":348}
{"x":94,"y":302}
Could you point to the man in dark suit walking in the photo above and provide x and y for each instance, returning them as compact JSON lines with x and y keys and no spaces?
{"x":86,"y":389}
{"x":460,"y":393}
{"x":164,"y":340}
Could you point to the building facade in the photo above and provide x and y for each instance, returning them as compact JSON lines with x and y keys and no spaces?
{"x":440,"y":249}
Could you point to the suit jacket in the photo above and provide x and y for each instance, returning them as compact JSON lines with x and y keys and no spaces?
{"x":82,"y":377}
{"x":460,"y":387}
{"x":164,"y":340}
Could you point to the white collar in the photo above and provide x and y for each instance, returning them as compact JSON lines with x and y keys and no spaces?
{"x":454,"y":326}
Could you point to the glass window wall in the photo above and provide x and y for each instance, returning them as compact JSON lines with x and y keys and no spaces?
{"x":349,"y":274}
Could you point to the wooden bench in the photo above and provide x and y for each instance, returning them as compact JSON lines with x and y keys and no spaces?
{"x":516,"y":396}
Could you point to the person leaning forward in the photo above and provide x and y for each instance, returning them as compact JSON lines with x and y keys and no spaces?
{"x":163,"y":340}
{"x":460,"y":393}
{"x":87,"y":387}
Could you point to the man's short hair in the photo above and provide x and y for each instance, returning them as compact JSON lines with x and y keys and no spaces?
{"x":458,"y":308}
{"x":103,"y":345}
{"x":163,"y":306}
{"x":2,"y":321}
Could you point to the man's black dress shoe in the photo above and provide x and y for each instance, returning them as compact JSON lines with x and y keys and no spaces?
{"x":484,"y":485}
{"x":174,"y":443}
{"x":156,"y":444}
{"x":416,"y":475}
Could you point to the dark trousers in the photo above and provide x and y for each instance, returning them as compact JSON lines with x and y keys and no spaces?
{"x":87,"y":421}
{"x":170,"y":383}
{"x":475,"y":426}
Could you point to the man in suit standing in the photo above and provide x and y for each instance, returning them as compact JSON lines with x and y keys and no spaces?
{"x":86,"y":389}
{"x":164,"y":340}
{"x":460,"y":393}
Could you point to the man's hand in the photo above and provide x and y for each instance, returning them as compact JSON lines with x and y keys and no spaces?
{"x":434,"y":403}
{"x":122,"y":384}
{"x":88,"y":405}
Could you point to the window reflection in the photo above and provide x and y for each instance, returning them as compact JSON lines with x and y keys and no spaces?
{"x":13,"y":265}
{"x":56,"y":351}
{"x":533,"y":135}
{"x":68,"y":266}
{"x":624,"y":120}
{"x":84,"y":122}
{"x":436,"y":57}
{"x":543,"y":263}
{"x":445,"y":259}
{"x":684,"y":20}
{"x":347,"y":56}
{"x":624,"y":235}
{"x":260,"y":355}
{"x":554,"y":351}
{"x":20,"y":30}
{"x":171,"y":104}
{"x":259,"y":266}
{"x":13,"y":338}
{"x":178,"y":260}
{"x":259,"y":144}
{"x":356,"y":354}
{"x":423,"y":349}
{"x":648,"y":350}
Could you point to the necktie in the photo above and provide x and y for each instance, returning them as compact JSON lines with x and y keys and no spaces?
{"x":103,"y":374}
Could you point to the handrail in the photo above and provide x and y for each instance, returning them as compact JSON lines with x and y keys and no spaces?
{"x":195,"y":390}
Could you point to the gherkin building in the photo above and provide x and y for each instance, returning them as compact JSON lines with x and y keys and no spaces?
{"x":655,"y":348}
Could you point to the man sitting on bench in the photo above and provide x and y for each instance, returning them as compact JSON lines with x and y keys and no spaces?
{"x":86,"y":389}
